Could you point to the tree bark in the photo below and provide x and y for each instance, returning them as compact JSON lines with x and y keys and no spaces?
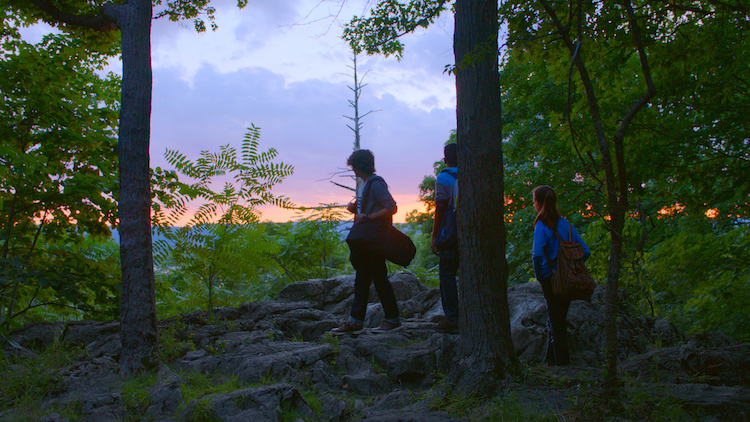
{"x":138,"y":303}
{"x":487,"y":351}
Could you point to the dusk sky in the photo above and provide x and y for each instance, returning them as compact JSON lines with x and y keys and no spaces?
{"x":283,"y":67}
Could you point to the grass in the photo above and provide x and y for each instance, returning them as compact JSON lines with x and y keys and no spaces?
{"x":171,"y":344}
{"x":136,"y":394}
{"x":27,"y":381}
{"x":457,"y":404}
{"x":507,"y":407}
{"x":200,"y":389}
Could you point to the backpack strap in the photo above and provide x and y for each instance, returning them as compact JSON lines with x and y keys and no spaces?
{"x":445,"y":170}
{"x":454,"y":191}
{"x":570,"y":228}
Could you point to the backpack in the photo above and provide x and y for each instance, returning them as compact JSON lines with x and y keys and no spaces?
{"x":447,"y":238}
{"x":571,"y":279}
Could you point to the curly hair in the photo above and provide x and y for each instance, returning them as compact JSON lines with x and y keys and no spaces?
{"x":362,"y":160}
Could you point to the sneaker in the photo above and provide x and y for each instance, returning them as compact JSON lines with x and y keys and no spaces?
{"x":387,"y":327}
{"x":347,"y":328}
{"x":446,"y":326}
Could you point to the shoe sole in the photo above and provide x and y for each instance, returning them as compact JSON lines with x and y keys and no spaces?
{"x":347,"y":333}
{"x":399,"y":328}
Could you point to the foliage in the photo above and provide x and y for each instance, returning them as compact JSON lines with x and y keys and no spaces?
{"x":174,"y":342}
{"x":213,"y":265}
{"x":69,"y":279}
{"x":26,"y":381}
{"x":206,"y":249}
{"x":700,"y":278}
{"x":312,"y":246}
{"x":684,"y":155}
{"x":390,"y":19}
{"x":58,"y":178}
{"x":456,"y":404}
{"x":101,"y":21}
{"x":507,"y":407}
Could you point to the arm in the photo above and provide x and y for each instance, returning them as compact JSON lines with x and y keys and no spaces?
{"x":537,"y":255}
{"x":578,"y":239}
{"x":382,"y":213}
{"x":537,"y":267}
{"x":378,"y":193}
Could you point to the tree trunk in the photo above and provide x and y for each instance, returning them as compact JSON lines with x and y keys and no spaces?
{"x":617,"y":186}
{"x":487,"y":351}
{"x":137,"y":305}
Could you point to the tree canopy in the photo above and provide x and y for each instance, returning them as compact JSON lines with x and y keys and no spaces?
{"x":58,"y":170}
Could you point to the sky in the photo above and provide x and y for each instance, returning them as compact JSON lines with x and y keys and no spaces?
{"x":283,"y":67}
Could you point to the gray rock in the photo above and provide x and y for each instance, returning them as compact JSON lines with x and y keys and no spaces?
{"x":334,"y":409}
{"x":728,"y":365}
{"x":409,"y":416}
{"x":377,"y":377}
{"x":260,"y":404}
{"x":366,"y":383}
{"x":166,"y":394}
{"x":83,"y":333}
{"x":38,"y":335}
{"x":53,"y":417}
{"x":731,"y":403}
{"x":393,"y":400}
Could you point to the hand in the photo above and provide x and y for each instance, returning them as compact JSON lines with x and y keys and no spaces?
{"x":432,"y":245}
{"x":360,"y":215}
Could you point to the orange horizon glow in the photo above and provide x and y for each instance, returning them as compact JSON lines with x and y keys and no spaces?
{"x":276,"y":214}
{"x":283,"y":215}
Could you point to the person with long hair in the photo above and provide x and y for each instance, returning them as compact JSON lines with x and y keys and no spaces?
{"x":549,"y":227}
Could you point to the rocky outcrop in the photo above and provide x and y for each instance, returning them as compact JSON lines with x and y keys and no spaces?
{"x":281,"y":354}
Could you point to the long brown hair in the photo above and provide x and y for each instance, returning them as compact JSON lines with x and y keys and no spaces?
{"x":549,"y":214}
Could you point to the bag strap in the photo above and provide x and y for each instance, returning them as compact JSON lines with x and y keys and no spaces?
{"x":366,"y":191}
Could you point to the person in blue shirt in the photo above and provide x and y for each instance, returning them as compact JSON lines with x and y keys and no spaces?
{"x":549,"y":220}
{"x":446,"y":191}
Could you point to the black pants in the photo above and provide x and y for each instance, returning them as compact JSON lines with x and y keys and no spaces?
{"x":449,"y":262}
{"x":557,"y":312}
{"x":371,"y":269}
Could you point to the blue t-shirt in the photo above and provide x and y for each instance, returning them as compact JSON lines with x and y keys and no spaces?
{"x":544,"y":237}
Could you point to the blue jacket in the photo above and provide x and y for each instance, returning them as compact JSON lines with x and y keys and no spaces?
{"x":544,"y":237}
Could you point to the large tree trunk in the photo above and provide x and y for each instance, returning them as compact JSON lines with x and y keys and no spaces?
{"x":138,"y":302}
{"x":137,"y":306}
{"x":487,"y":351}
